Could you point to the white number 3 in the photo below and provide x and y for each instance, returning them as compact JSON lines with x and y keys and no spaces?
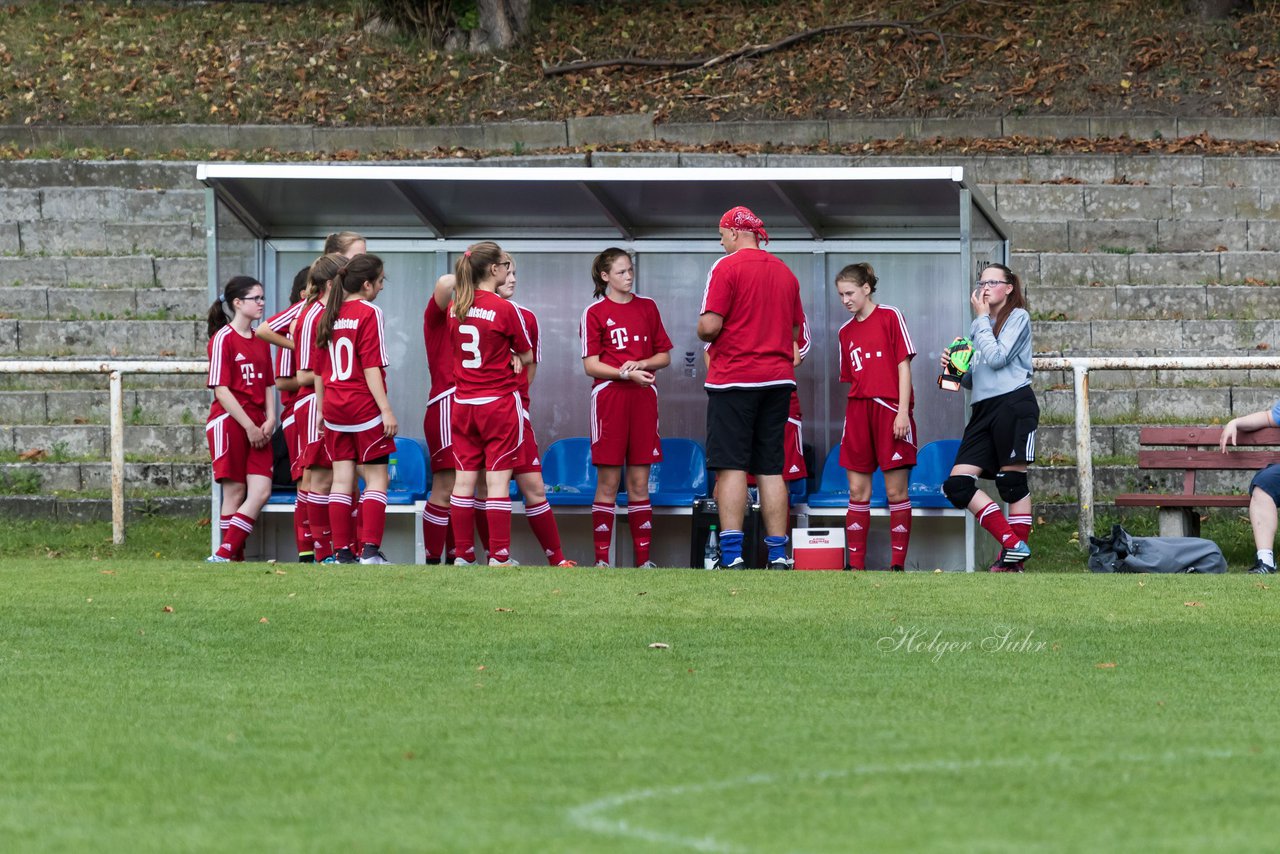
{"x":472,"y":346}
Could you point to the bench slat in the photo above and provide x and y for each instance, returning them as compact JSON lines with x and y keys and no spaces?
{"x":1204,"y":436}
{"x":1187,"y":458}
{"x":1147,"y":499}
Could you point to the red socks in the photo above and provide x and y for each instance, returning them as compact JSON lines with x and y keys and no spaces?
{"x":239,"y":527}
{"x":301,"y":528}
{"x":373,"y":518}
{"x":498,"y":514}
{"x":857,"y":524}
{"x":602,"y":529}
{"x":899,"y":532}
{"x":462,"y":523}
{"x":435,"y":531}
{"x":640,"y":520}
{"x":993,"y":521}
{"x":1021,"y":526}
{"x":340,"y":518}
{"x":544,"y":528}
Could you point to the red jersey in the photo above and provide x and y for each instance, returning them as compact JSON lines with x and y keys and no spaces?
{"x":242,"y":364}
{"x":759,"y":299}
{"x":531,"y":326}
{"x":435,"y":334}
{"x":306,"y":337}
{"x":621,"y":332}
{"x":870,"y":351}
{"x":285,"y":358}
{"x":482,"y":347}
{"x":356,"y":343}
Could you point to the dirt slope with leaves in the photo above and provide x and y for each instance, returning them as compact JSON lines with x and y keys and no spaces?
{"x":315,"y":63}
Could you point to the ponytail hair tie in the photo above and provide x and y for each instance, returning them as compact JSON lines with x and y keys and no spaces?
{"x":222,"y":298}
{"x":342,"y":271}
{"x":466,"y":254}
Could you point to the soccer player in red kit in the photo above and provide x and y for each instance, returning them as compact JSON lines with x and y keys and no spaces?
{"x":437,"y":422}
{"x":490,"y":344}
{"x":528,"y":468}
{"x":317,"y":471}
{"x":624,"y":345}
{"x":879,"y":430}
{"x":243,"y":414}
{"x":281,"y":323}
{"x":359,"y":424}
{"x":751,"y":314}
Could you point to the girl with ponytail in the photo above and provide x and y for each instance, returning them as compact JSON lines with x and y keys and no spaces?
{"x":360,"y":427}
{"x":490,"y":345}
{"x":243,"y":415}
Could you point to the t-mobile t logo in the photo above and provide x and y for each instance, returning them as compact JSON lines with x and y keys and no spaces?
{"x":855,"y":356}
{"x":248,"y":374}
{"x":619,"y":337}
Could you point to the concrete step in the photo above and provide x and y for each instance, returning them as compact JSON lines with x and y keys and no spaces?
{"x":35,"y":303}
{"x":1079,"y":202}
{"x":90,"y":382}
{"x":111,"y":271}
{"x":141,"y":406}
{"x":1100,"y":301}
{"x":1060,"y":481}
{"x":1155,"y":337}
{"x":132,"y":174}
{"x":77,"y":477}
{"x":49,"y":507}
{"x":156,"y":339}
{"x":1146,"y":235}
{"x":1158,"y":405}
{"x":93,"y":440}
{"x":1067,"y":269}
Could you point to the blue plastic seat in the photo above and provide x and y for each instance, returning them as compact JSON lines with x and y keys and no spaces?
{"x":933,"y":466}
{"x":282,"y":495}
{"x":833,"y":488}
{"x":568,"y":473}
{"x":681,"y":477}
{"x":797,"y":491}
{"x":411,"y":480}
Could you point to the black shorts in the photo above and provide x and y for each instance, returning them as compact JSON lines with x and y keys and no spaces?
{"x":1001,"y":432}
{"x":746,"y":429}
{"x":1268,"y":480}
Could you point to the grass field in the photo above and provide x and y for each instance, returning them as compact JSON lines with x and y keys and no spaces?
{"x":160,"y":705}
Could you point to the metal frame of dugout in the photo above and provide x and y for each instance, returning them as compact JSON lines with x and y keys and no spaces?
{"x":926,"y":230}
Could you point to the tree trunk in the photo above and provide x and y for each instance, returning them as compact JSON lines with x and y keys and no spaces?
{"x":502,"y":23}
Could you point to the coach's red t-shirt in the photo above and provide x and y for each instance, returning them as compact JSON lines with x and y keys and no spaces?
{"x":435,"y":334}
{"x":621,"y":332}
{"x":759,"y":299}
{"x":356,"y":342}
{"x":242,"y":364}
{"x":482,"y":347}
{"x":870,"y":351}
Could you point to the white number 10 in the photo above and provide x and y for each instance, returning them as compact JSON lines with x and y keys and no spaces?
{"x":342,"y":356}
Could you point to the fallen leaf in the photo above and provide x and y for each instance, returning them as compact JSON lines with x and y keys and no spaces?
{"x":408,"y":754}
{"x":1219,"y":248}
{"x":203,"y":523}
{"x":291,"y":595}
{"x":264,"y":620}
{"x":281,"y":572}
{"x":168,"y":609}
{"x":1194,"y":604}
{"x":504,"y":610}
{"x":481,"y":667}
{"x":89,"y":600}
{"x":1106,"y":665}
{"x":33,"y":455}
{"x":1142,"y":584}
{"x":659,"y":646}
{"x":1262,"y":586}
{"x":107,"y":571}
{"x":642,"y":593}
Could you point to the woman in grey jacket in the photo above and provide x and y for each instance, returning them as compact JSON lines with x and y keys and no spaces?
{"x":1000,"y":439}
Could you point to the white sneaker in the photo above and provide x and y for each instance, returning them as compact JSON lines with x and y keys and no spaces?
{"x":217,"y":559}
{"x":373,"y":555}
{"x":462,"y":561}
{"x":603,"y":564}
{"x":648,"y":564}
{"x":493,"y":561}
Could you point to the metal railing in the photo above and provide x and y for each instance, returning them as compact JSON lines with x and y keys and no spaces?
{"x":1080,"y":366}
{"x":115,"y":369}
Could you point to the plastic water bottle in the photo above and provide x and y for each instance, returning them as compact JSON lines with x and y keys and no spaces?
{"x":711,"y":553}
{"x":392,"y":473}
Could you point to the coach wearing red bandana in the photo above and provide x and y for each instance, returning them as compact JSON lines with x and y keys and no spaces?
{"x":751,"y":314}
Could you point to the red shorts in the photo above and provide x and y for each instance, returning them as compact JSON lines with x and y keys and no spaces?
{"x":624,"y":425}
{"x":527,"y":460}
{"x":312,"y":452}
{"x":793,"y":467}
{"x":360,"y":446}
{"x":487,"y":435}
{"x":233,"y":457}
{"x":867,"y":443}
{"x":437,"y":427}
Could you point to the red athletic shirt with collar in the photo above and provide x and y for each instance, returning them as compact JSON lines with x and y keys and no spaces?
{"x":286,"y":359}
{"x":435,"y":335}
{"x":621,"y":332}
{"x":758,"y":298}
{"x":531,"y":326}
{"x":482,"y":346}
{"x":357,"y":342}
{"x":243,"y":365}
{"x":870,"y":351}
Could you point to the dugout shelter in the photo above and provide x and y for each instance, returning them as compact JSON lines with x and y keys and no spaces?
{"x":926,"y":230}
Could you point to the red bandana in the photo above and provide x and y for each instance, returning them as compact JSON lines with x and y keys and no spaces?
{"x":742,"y":219}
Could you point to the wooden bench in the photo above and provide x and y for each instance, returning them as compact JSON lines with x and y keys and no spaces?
{"x":1192,"y":450}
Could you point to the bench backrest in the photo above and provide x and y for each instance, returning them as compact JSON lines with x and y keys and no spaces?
{"x":1193,"y":449}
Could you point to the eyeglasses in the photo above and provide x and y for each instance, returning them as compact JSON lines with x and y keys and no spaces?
{"x":991,"y":283}
{"x":254,"y":299}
